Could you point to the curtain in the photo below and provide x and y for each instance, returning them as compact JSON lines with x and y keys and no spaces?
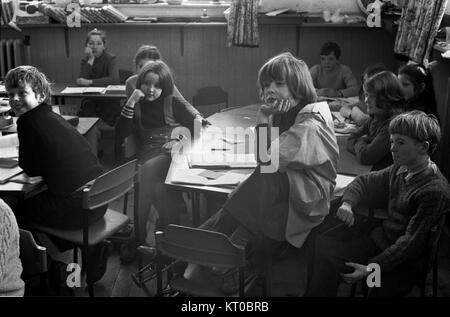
{"x":243,"y":23}
{"x":419,"y":24}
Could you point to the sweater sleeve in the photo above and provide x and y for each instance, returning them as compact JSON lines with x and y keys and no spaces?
{"x":125,"y":124}
{"x":354,"y":136}
{"x":182,"y":101}
{"x":412,"y":244}
{"x":350,"y":81}
{"x":86,"y":69}
{"x":113,"y":74}
{"x":29,"y":148}
{"x":371,"y":153}
{"x":370,"y":189}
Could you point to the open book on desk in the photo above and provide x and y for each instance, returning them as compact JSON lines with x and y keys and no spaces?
{"x":83,"y":90}
{"x":202,"y":177}
{"x":222,"y":160}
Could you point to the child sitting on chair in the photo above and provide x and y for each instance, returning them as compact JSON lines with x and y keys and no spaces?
{"x":50,"y":147}
{"x":331,"y":78}
{"x":384,"y":100}
{"x":150,"y":114}
{"x":99,"y":68}
{"x":416,"y":195}
{"x":284,"y":205}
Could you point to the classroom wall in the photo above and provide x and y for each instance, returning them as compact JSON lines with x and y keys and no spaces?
{"x":199,"y":56}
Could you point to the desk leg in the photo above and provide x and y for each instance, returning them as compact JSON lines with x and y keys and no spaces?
{"x":195,"y":209}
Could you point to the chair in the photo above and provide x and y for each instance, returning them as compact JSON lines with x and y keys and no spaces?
{"x":124,"y":74}
{"x":33,"y":258}
{"x":210,"y":100}
{"x":196,"y":246}
{"x":99,"y":192}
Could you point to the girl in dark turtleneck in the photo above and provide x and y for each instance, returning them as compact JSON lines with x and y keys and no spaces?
{"x":384,"y":99}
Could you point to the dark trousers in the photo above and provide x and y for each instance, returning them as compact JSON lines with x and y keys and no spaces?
{"x":330,"y":257}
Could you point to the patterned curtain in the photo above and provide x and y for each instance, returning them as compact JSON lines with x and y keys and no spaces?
{"x":243,"y":23}
{"x":419,"y":24}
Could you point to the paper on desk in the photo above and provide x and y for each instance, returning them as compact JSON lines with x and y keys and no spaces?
{"x":83,"y":90}
{"x":9,"y":146}
{"x":192,"y":177}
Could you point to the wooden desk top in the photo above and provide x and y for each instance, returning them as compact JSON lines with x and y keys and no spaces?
{"x":246,"y":117}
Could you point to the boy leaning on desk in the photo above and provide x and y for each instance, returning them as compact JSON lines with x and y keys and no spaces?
{"x":50,"y":147}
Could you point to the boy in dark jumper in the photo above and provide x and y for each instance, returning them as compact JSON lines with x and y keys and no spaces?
{"x":415,"y":194}
{"x":50,"y":147}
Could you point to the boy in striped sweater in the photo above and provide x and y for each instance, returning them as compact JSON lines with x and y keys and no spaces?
{"x":415,"y":195}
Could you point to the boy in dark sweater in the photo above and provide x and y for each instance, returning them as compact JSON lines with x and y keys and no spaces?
{"x":415,"y":194}
{"x":50,"y":147}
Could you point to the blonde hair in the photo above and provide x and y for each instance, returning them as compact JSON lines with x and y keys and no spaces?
{"x":20,"y":76}
{"x":291,"y":70}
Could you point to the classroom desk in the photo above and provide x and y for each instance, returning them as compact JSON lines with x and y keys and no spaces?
{"x":59,"y":98}
{"x":246,"y":117}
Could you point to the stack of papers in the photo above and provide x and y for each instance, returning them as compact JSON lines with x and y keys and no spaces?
{"x":201,"y":177}
{"x":83,"y":90}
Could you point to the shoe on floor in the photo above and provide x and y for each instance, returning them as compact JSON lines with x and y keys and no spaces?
{"x":97,"y":261}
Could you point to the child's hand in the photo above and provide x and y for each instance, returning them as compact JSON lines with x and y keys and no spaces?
{"x":89,"y":54}
{"x":167,"y":147}
{"x":136,"y":96}
{"x":84,"y":82}
{"x":345,"y":111}
{"x":345,"y":214}
{"x":359,"y":273}
{"x":276,"y":107}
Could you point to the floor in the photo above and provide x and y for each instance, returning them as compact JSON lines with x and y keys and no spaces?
{"x":287,"y":275}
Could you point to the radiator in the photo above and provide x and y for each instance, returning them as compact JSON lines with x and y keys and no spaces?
{"x":13,"y":53}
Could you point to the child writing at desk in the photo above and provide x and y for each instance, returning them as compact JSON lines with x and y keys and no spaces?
{"x":384,"y":100}
{"x":98,"y":68}
{"x":51,"y":148}
{"x":286,"y":204}
{"x":331,"y":78}
{"x":415,"y":194}
{"x":151,"y":113}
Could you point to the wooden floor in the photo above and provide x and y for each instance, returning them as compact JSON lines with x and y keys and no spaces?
{"x":287,"y":276}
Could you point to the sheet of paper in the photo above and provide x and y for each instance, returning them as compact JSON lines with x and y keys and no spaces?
{"x":9,"y":146}
{"x":73,"y":90}
{"x":193,"y":177}
{"x":94,"y":90}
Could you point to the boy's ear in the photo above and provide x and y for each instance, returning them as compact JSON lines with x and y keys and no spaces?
{"x":425,"y":146}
